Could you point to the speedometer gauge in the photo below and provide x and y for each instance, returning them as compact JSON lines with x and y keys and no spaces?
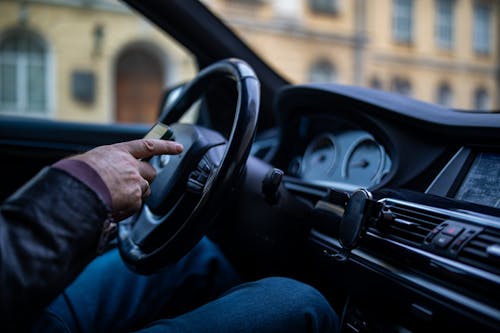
{"x":364,"y":162}
{"x":319,"y":157}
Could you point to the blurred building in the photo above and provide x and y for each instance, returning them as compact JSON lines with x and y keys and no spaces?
{"x":96,"y":60}
{"x":84,"y":60}
{"x":441,"y":51}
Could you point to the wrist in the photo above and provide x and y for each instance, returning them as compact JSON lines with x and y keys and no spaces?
{"x":87,"y":175}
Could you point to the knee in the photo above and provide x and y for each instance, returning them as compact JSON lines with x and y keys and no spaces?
{"x":302,"y":304}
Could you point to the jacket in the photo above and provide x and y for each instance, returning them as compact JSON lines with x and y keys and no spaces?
{"x":49,"y":231}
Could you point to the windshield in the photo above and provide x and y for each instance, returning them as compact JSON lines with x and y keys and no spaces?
{"x":440,"y":51}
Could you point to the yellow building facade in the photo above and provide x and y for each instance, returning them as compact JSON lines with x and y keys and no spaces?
{"x":423,"y":48}
{"x":100,"y":62}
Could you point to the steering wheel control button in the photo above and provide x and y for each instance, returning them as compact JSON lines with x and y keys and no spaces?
{"x":198,"y":177}
{"x":194,"y":186}
{"x":442,"y":241}
{"x":164,"y":159}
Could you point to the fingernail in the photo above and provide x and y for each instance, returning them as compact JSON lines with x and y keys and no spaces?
{"x":179,"y":148}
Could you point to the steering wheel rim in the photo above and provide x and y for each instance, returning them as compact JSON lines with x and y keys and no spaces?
{"x":154,"y":237}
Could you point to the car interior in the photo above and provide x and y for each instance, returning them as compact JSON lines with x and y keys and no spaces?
{"x":388,"y":205}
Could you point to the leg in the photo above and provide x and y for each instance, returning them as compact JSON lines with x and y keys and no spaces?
{"x":106,"y":296}
{"x":269,"y":305}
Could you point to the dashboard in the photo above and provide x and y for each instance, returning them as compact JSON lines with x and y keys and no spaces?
{"x":436,"y":173}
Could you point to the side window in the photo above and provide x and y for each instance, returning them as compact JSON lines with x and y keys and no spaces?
{"x":84,"y":61}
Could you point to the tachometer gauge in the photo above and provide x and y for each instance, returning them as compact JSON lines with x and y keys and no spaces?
{"x":319,"y":157}
{"x":364,"y":162}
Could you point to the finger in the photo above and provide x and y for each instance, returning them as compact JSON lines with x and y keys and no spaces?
{"x":147,"y":171}
{"x":122,"y":215}
{"x":146,"y":189}
{"x":145,"y":148}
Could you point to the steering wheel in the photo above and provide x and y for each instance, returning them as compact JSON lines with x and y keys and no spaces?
{"x":188,"y":189}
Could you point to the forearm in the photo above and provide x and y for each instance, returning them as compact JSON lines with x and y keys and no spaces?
{"x":49,"y":230}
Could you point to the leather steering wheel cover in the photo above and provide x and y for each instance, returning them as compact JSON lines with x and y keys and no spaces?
{"x":231,"y":167}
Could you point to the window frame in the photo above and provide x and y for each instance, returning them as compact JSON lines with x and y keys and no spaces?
{"x":318,"y":66}
{"x":20,"y":61}
{"x":481,"y":93}
{"x":398,"y":82}
{"x":318,"y":6}
{"x":444,"y":29}
{"x":445,"y":88}
{"x":482,"y":28}
{"x":403,"y":16}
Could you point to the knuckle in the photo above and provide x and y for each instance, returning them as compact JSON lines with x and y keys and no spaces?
{"x":148,"y":145}
{"x":136,"y":195}
{"x":135,"y":177}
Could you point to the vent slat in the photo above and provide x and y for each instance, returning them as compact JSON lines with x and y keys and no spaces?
{"x":423,"y":223}
{"x":478,"y":244}
{"x":489,"y":238}
{"x":474,"y":252}
{"x":405,"y":234}
{"x":418,"y":213}
{"x":412,"y":224}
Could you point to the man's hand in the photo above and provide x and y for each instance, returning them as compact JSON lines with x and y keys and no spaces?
{"x":125,"y":175}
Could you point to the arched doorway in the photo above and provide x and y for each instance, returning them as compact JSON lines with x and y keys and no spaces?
{"x":138,"y":84}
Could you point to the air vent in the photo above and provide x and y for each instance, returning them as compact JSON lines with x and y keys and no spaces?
{"x":411,"y":224}
{"x":483,"y":251}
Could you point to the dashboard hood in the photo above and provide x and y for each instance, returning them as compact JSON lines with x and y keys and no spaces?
{"x":390,"y":106}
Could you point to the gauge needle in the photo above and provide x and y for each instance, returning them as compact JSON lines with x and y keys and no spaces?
{"x":362,"y":164}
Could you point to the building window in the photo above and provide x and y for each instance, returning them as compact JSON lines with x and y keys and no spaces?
{"x":444,"y":23}
{"x":402,"y":21}
{"x":375,"y":83}
{"x":322,"y":71}
{"x":481,"y":100}
{"x":482,"y":28}
{"x":324,"y":6}
{"x":444,"y":95}
{"x":23,"y":74}
{"x":401,"y":86}
{"x":250,"y":2}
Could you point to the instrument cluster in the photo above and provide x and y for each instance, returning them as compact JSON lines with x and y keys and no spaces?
{"x":345,"y":159}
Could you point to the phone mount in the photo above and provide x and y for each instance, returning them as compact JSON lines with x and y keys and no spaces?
{"x":357,"y":211}
{"x":361,"y":210}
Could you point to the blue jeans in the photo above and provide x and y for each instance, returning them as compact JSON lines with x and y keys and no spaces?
{"x":200,"y":293}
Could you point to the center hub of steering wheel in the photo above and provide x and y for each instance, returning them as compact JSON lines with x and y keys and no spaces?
{"x":174,"y":178}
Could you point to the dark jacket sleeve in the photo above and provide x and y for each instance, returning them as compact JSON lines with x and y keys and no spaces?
{"x":49,"y":231}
